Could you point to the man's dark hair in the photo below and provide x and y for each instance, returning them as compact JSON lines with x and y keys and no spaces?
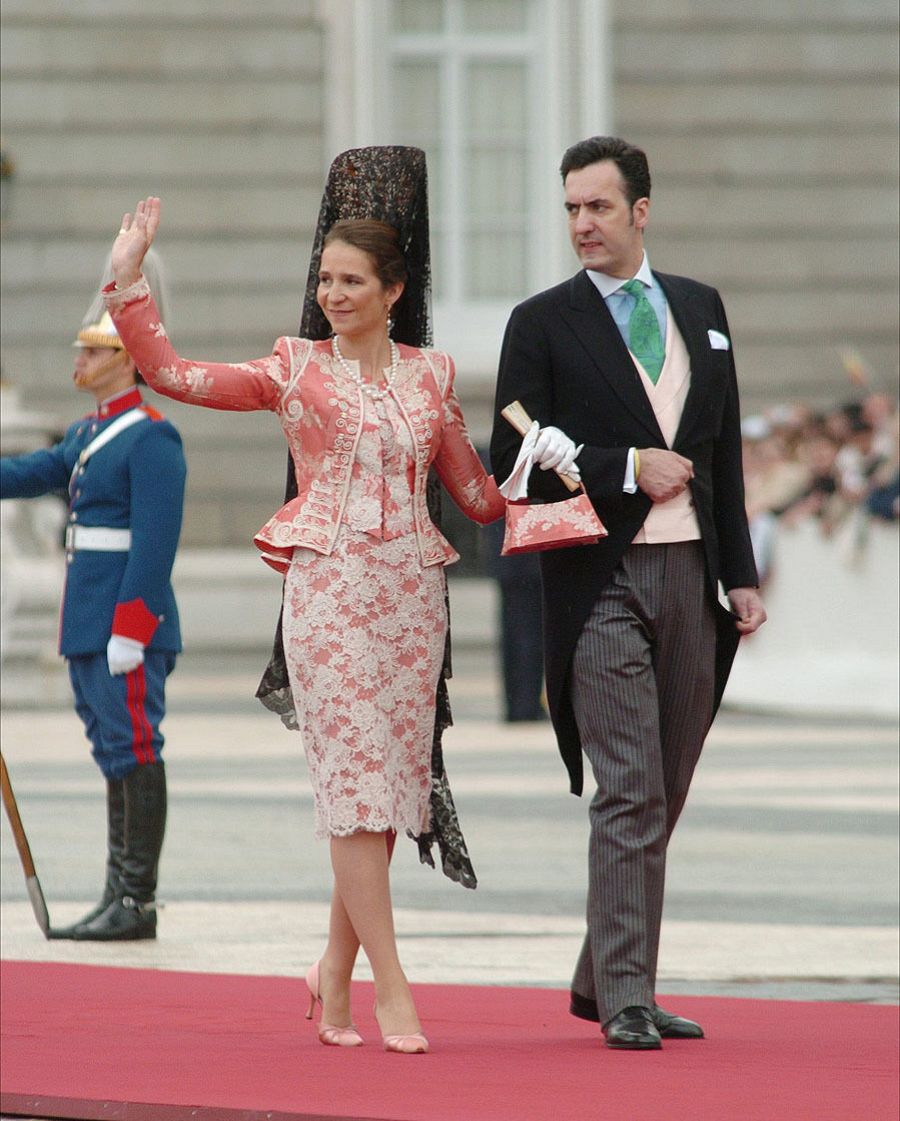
{"x":630,"y":160}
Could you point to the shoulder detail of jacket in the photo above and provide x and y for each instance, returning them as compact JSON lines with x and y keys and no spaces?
{"x":442,"y":367}
{"x":299,"y":353}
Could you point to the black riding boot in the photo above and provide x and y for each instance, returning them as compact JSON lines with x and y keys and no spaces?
{"x":132,"y":914}
{"x":115,"y":848}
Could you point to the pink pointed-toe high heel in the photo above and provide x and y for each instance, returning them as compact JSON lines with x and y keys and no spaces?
{"x":328,"y":1034}
{"x":413,"y":1043}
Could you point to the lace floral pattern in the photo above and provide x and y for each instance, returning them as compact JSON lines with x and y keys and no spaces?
{"x":364,"y":642}
{"x":551,"y":525}
{"x":364,"y":632}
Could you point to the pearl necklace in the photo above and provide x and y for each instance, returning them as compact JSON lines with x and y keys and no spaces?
{"x":369,"y":388}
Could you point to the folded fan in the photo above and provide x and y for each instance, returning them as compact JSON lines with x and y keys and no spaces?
{"x":533,"y":527}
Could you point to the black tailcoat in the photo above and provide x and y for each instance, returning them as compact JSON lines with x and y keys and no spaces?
{"x":564,"y":358}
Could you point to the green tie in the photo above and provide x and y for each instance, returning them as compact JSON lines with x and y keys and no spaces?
{"x":644,"y":338}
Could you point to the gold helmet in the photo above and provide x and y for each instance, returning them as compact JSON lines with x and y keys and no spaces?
{"x":101,"y":333}
{"x":97,"y":327}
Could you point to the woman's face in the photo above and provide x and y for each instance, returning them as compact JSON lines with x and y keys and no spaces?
{"x":354,"y":300}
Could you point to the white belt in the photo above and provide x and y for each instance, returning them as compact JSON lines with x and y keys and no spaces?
{"x":98,"y":538}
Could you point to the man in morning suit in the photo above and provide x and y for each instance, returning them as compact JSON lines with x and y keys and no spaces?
{"x":637,"y":367}
{"x":124,"y":469}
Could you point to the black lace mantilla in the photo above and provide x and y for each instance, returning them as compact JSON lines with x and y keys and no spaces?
{"x":388,"y":183}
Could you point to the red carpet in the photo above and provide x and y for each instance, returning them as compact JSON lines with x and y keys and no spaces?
{"x":144,"y":1045}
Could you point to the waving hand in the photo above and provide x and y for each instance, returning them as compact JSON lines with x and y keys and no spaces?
{"x":133,"y":240}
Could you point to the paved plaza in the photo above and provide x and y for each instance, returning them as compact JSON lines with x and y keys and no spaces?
{"x":782,"y":875}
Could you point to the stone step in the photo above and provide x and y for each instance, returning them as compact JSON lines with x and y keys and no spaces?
{"x":716,"y":52}
{"x":748,"y":264}
{"x":32,"y":260}
{"x":762,"y":157}
{"x":781,"y":207}
{"x":205,"y":311}
{"x":212,"y":46}
{"x":772,"y":372}
{"x":49,"y":152}
{"x":827,"y":313}
{"x":105,"y":14}
{"x":25,"y":646}
{"x":690,"y":16}
{"x":173,"y":102}
{"x":252,"y":208}
{"x":764,"y":106}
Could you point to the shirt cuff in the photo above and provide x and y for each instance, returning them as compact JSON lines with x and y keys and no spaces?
{"x":116,"y":298}
{"x":630,"y":484}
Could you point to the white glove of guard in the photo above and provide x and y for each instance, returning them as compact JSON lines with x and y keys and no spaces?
{"x":123,"y":654}
{"x":555,"y":451}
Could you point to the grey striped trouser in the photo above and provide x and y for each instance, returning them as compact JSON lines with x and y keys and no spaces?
{"x":642,"y":692}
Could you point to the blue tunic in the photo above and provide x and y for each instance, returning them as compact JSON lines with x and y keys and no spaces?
{"x":135,"y":481}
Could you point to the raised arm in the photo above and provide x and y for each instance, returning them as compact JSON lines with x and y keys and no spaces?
{"x":133,"y":240}
{"x":240,"y":386}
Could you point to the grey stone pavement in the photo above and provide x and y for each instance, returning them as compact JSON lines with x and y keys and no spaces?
{"x":783,"y":877}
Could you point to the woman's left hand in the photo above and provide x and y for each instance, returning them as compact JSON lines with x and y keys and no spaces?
{"x":133,"y":240}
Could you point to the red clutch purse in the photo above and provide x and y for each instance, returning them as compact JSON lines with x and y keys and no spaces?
{"x":532,"y":528}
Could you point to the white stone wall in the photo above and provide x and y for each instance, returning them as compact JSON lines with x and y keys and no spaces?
{"x":772,"y":132}
{"x":217,"y":108}
{"x":771,"y":128}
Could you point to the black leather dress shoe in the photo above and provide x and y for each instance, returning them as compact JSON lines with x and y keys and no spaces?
{"x":671,"y":1026}
{"x":667,"y":1024}
{"x":632,"y":1030}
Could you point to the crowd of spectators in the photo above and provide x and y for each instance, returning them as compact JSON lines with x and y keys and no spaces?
{"x":827,"y":465}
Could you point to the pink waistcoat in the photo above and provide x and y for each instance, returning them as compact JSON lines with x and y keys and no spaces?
{"x":675,"y":520}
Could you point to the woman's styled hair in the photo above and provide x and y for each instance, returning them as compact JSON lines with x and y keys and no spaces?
{"x":379,"y":241}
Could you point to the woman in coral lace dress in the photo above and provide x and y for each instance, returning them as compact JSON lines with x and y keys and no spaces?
{"x":364,"y":617}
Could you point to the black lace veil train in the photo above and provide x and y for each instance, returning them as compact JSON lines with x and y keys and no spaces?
{"x":388,"y":183}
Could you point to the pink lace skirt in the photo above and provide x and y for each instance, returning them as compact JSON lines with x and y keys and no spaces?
{"x":364,"y":641}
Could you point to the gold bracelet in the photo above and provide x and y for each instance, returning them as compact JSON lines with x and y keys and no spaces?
{"x":637,"y":465}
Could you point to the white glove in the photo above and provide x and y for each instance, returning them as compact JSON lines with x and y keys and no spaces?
{"x":123,"y":654}
{"x":554,"y":451}
{"x":516,"y":486}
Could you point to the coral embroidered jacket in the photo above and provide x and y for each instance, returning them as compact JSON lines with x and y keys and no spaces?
{"x":136,"y":482}
{"x":321,"y":415}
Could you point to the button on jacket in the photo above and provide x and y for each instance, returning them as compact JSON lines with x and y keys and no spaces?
{"x":320,"y":412}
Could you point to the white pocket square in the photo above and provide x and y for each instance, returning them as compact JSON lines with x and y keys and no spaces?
{"x":718,"y":341}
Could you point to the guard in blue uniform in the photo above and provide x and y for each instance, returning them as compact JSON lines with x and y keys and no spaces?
{"x":124,"y":468}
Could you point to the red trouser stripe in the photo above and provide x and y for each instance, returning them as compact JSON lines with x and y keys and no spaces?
{"x":142,"y":733}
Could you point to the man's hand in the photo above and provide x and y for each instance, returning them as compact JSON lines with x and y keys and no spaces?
{"x":123,"y":654}
{"x":555,"y":451}
{"x":663,"y":474}
{"x":133,"y":240}
{"x":747,"y":604}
